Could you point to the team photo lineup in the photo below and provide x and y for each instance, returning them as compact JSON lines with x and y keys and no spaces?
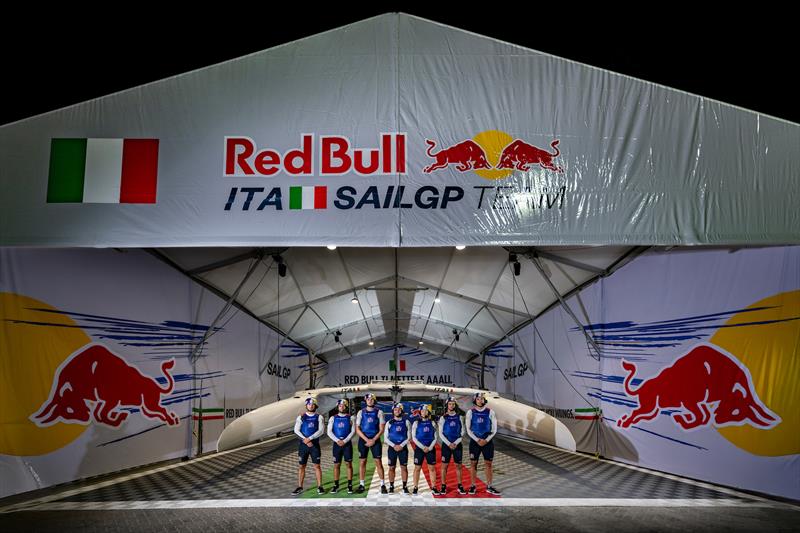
{"x":403,"y":434}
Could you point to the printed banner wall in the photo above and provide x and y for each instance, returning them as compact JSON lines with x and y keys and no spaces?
{"x":397,"y":131}
{"x":413,"y":364}
{"x":95,"y":369}
{"x":699,"y":370}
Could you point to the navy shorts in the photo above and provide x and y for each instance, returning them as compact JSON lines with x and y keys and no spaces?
{"x":304,"y":451}
{"x":430,"y":457}
{"x":363,"y":451}
{"x":475,"y":451}
{"x":456,"y":453}
{"x":393,"y":455}
{"x":345,"y":452}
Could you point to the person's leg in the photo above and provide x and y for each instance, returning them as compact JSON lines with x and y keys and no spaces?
{"x":488,"y":468}
{"x":377,"y":456}
{"x":336,"y":473}
{"x":318,"y":474}
{"x":301,"y":475}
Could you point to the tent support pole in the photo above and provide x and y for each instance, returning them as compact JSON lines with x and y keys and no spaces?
{"x":533,"y":258}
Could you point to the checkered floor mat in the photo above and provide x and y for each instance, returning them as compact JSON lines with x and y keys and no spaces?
{"x":522,"y":470}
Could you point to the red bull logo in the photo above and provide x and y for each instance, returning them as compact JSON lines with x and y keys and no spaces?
{"x":95,"y":383}
{"x":708,"y":386}
{"x":491,"y":153}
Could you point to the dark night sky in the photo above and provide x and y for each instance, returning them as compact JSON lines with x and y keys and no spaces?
{"x":742,"y":58}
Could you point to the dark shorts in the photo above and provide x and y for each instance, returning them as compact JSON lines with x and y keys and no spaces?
{"x":430,"y":457}
{"x":475,"y":451}
{"x":345,"y":452}
{"x":456,"y":453}
{"x":304,"y":451}
{"x":393,"y":456}
{"x":363,"y":451}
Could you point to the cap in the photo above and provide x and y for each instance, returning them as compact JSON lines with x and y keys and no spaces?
{"x":425,"y":407}
{"x":368,"y":396}
{"x":344,"y":402}
{"x":398,"y":405}
{"x":311,"y":401}
{"x":452,"y":399}
{"x":480,"y":395}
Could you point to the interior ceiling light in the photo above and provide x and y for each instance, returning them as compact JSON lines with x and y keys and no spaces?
{"x":282,"y":270}
{"x":371,"y":343}
{"x":437,"y":299}
{"x":336,"y":335}
{"x":421,"y":342}
{"x":354,"y":300}
{"x":517,"y":268}
{"x":460,"y":247}
{"x":457,"y":336}
{"x":331,"y":247}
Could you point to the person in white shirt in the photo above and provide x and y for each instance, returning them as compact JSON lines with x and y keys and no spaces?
{"x":369,"y":426}
{"x":309,"y":427}
{"x":481,"y":425}
{"x":451,"y":432}
{"x":341,"y":428}
{"x":397,"y":435}
{"x":423,"y":433}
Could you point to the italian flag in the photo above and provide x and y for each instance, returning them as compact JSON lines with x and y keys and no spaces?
{"x":308,"y":197}
{"x":592,"y":413}
{"x":103,"y":171}
{"x":207,"y":414}
{"x":402,"y":365}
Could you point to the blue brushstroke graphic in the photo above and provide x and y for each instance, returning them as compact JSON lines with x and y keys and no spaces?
{"x":126,"y":437}
{"x":169,"y":334}
{"x":668,"y":333}
{"x":660,"y":435}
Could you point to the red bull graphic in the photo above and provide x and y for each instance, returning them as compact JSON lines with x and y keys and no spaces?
{"x":466,"y":155}
{"x":485,"y":153}
{"x":708,"y":384}
{"x":94,"y":375}
{"x":519,"y":155}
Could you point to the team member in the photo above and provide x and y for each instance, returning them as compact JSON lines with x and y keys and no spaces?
{"x":369,"y":426}
{"x":423,"y":432}
{"x":341,"y":428}
{"x":309,"y":427}
{"x":481,"y":427}
{"x":451,"y":431}
{"x":397,"y":435}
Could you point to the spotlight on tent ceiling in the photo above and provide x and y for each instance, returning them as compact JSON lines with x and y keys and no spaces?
{"x":371,"y":343}
{"x":331,"y":247}
{"x":336,"y":335}
{"x":421,"y":342}
{"x":512,"y":258}
{"x":457,"y":336}
{"x":354,"y":300}
{"x":281,"y":265}
{"x":460,"y":247}
{"x":437,"y":299}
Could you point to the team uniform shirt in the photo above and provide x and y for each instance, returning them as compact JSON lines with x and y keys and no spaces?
{"x":451,"y":431}
{"x":342,"y":427}
{"x":370,"y":424}
{"x":309,"y":426}
{"x":397,"y":433}
{"x":481,"y":424}
{"x":423,"y":432}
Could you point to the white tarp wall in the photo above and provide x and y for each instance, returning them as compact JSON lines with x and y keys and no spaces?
{"x":104,"y":322}
{"x":721,"y":331}
{"x":397,"y":131}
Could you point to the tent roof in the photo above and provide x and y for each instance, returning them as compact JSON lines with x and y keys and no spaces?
{"x":397,"y":290}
